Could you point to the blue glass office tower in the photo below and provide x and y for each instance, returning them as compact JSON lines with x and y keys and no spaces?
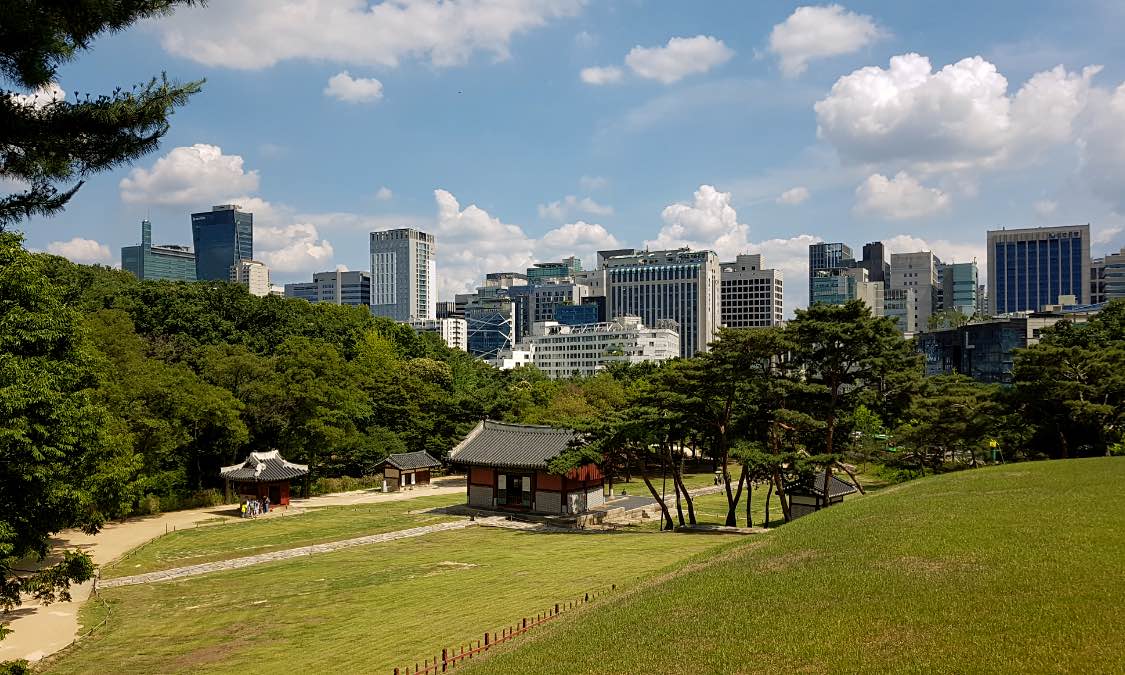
{"x":824,"y":256}
{"x":222,"y":236}
{"x":1033,"y":267}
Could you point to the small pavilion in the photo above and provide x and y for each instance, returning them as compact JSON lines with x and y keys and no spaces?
{"x":263,"y":474}
{"x":407,"y":469}
{"x":507,"y":470}
{"x":813,"y":495}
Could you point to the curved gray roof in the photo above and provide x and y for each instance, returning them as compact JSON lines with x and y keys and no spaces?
{"x":263,"y":467}
{"x":512,"y":446}
{"x":405,"y":461}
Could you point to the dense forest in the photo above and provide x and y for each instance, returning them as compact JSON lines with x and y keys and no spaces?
{"x":119,"y":397}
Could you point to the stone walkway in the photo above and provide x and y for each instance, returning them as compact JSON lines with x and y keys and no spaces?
{"x":328,"y":547}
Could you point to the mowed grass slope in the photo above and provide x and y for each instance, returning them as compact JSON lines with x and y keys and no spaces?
{"x":361,"y":610}
{"x":1017,"y":568}
{"x":251,"y":537}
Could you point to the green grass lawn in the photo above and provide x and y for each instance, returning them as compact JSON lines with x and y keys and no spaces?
{"x":242,"y":538}
{"x":1015,"y":568}
{"x":366,"y":609}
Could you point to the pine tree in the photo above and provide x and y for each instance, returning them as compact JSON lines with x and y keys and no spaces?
{"x":50,"y":143}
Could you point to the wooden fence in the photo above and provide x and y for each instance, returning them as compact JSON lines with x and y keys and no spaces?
{"x":450,"y":658}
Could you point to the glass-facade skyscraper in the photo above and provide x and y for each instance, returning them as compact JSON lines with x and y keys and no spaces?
{"x":1032,"y":267}
{"x":827,"y":256}
{"x":222,"y":236}
{"x":164,"y":261}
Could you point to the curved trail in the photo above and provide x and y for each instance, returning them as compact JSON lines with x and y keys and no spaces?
{"x":39,"y":631}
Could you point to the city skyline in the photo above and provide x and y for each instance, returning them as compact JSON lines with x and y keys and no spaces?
{"x":553,"y":129}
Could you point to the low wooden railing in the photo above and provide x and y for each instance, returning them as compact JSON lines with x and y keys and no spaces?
{"x":450,"y":658}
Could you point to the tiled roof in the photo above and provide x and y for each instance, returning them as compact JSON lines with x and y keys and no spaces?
{"x":262,"y":467}
{"x":404,"y":461}
{"x":512,"y":446}
{"x":836,"y":486}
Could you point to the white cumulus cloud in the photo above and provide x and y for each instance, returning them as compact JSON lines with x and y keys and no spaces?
{"x":261,"y":33}
{"x":947,"y":251}
{"x":1045,"y":208}
{"x":599,"y":75}
{"x":959,"y":117}
{"x":679,"y":58}
{"x":48,"y":93}
{"x":561,"y":209}
{"x":812,"y":33}
{"x":79,"y":250}
{"x":793,"y":196}
{"x":580,"y":239}
{"x":196,"y":176}
{"x":343,"y":87}
{"x":1102,"y":146}
{"x":292,"y":248}
{"x":384,"y":194}
{"x":471,"y":242}
{"x":899,"y":198}
{"x":708,"y":222}
{"x":593,"y":182}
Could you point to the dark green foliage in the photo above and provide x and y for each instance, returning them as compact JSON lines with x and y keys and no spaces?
{"x":48,"y":140}
{"x":65,"y":462}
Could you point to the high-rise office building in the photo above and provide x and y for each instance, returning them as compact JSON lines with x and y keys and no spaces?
{"x":567,"y":268}
{"x":960,"y":283}
{"x":338,"y":287}
{"x":1032,"y":267}
{"x":842,"y":285}
{"x":453,"y":331}
{"x":544,"y":299}
{"x":403,"y":274}
{"x":222,"y":236}
{"x":875,"y":262}
{"x":918,"y":271}
{"x":1107,"y":278}
{"x":681,"y":285}
{"x":165,"y":261}
{"x":827,"y":256}
{"x":751,"y":296}
{"x":490,"y":325}
{"x":252,"y":274}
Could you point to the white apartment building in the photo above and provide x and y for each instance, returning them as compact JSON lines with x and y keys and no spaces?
{"x":563,"y":351}
{"x":453,"y":331}
{"x":254,"y":275}
{"x":751,"y":296}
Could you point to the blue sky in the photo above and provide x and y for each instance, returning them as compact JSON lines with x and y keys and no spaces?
{"x":478,"y":120}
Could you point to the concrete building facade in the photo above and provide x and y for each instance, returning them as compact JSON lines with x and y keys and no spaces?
{"x":680,"y":285}
{"x":403,"y":274}
{"x":453,"y":331}
{"x":919,"y":272}
{"x":751,"y":296}
{"x":252,"y":274}
{"x":564,"y":351}
{"x":339,"y":287}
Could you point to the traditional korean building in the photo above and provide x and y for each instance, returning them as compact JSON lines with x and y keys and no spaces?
{"x":407,"y":469}
{"x":807,"y":497}
{"x":263,"y":474}
{"x":507,"y":470}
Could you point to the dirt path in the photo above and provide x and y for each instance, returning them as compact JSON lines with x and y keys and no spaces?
{"x":39,"y":631}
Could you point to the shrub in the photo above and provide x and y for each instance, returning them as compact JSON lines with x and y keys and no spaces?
{"x":323,"y":486}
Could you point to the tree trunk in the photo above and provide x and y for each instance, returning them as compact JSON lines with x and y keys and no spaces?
{"x":769,"y":497}
{"x":852,"y":476}
{"x":668,"y":523}
{"x":749,"y":503}
{"x":676,"y":485}
{"x":785,"y":508}
{"x":732,"y":506}
{"x":678,"y":477}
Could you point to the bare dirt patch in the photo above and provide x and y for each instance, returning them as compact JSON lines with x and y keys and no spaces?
{"x":784,"y":562}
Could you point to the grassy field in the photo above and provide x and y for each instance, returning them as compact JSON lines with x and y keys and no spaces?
{"x":1015,"y":568}
{"x":243,"y":538}
{"x":365,"y":609}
